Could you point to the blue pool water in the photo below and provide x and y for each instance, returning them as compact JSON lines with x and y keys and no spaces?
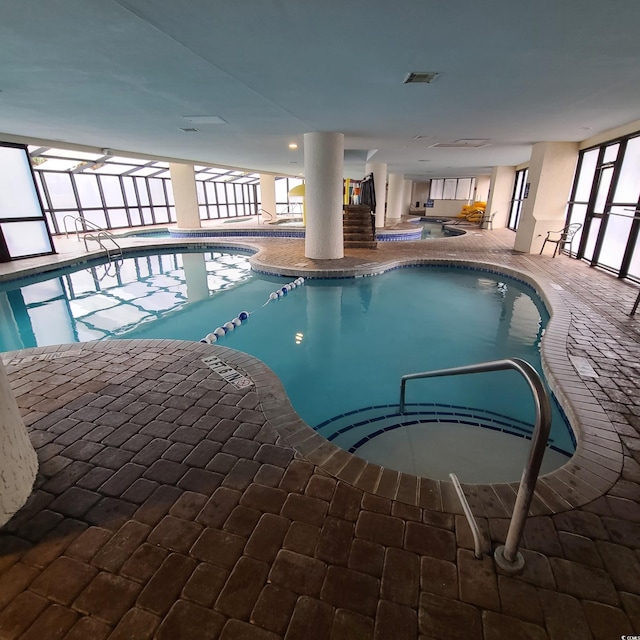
{"x":340,"y":346}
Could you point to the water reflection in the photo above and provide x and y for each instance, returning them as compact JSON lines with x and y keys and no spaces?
{"x":102,"y":301}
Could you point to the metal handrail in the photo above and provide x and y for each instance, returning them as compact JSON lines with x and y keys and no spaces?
{"x":105,"y":234}
{"x":83,"y":221}
{"x":271,"y":215}
{"x":507,"y":556}
{"x":479,"y":543}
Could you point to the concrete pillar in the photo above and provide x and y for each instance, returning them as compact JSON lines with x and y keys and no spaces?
{"x":183,"y":183}
{"x":395,"y":199}
{"x":267,"y":197}
{"x":500,"y":194}
{"x":551,"y":171}
{"x":379,"y":170}
{"x":18,"y":461}
{"x":407,"y":189}
{"x":323,"y":171}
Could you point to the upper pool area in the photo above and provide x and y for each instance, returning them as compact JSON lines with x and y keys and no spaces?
{"x":419,"y":228}
{"x":339,"y":347}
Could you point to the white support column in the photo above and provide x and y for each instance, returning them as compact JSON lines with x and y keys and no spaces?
{"x":395,"y":198}
{"x":379,"y":170}
{"x":18,"y":461}
{"x":323,"y":170}
{"x":185,"y":196}
{"x":267,"y":197}
{"x":500,"y":194}
{"x":407,"y":189}
{"x":550,"y":176}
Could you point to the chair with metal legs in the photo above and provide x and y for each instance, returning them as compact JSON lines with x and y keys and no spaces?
{"x":487,"y":220}
{"x":565,"y":237}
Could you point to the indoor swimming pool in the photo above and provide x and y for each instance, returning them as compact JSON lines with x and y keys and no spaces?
{"x":339,"y":346}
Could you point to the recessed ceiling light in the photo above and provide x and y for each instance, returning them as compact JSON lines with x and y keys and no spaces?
{"x":424,"y":77}
{"x":205,"y":119}
{"x":293,"y":145}
{"x":585,"y":128}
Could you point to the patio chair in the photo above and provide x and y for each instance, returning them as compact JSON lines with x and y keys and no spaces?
{"x":487,"y":220}
{"x":564,"y":236}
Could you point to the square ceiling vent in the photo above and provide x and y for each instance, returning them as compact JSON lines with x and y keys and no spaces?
{"x":420,"y":77}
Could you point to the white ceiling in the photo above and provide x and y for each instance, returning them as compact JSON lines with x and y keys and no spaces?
{"x":121,"y":74}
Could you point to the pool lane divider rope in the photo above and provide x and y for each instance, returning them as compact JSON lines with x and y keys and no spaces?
{"x":243,"y":316}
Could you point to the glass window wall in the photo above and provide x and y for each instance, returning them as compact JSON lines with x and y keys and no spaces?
{"x":23,"y":224}
{"x":606,"y":201}
{"x":452,"y":188}
{"x":117,"y":192}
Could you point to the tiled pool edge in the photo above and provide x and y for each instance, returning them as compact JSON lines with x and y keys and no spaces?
{"x":591,"y":472}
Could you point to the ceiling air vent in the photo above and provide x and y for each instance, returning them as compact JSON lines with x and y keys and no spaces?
{"x":424,"y":77}
{"x":189,"y":130}
{"x":465,"y":143}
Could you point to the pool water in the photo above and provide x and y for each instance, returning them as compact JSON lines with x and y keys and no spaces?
{"x":435,"y":229}
{"x":340,"y":346}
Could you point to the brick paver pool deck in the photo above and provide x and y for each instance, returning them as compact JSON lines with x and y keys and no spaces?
{"x":171,"y":504}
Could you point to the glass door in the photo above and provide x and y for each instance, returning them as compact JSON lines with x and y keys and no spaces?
{"x":519,"y":191}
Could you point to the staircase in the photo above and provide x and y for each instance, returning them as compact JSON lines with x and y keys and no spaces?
{"x":358,"y":227}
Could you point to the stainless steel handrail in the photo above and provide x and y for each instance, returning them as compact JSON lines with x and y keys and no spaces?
{"x":507,"y":556}
{"x":268,"y":213}
{"x":479,"y":543}
{"x":82,"y":221}
{"x":105,"y":234}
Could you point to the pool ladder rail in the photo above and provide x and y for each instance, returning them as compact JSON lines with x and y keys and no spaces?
{"x":114,"y":254}
{"x":507,"y":556}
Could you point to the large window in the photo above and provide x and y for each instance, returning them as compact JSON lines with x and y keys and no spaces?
{"x":519,"y":194}
{"x":452,"y":189}
{"x":23,"y":229}
{"x":115,"y":192}
{"x":286,"y":204}
{"x":606,"y":200}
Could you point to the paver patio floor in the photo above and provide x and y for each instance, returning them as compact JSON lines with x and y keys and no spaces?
{"x":170,"y":504}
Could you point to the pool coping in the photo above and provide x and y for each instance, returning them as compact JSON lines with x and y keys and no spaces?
{"x":590,"y":473}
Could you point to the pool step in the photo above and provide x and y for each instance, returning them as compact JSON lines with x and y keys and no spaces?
{"x":352,"y":430}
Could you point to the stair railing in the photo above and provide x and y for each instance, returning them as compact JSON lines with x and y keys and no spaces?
{"x":507,"y":556}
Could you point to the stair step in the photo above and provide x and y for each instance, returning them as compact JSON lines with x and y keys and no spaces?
{"x":360,"y":244}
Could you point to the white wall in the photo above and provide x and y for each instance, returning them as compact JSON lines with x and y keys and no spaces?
{"x":483,"y":184}
{"x":420,"y":192}
{"x":441,"y":209}
{"x":502,"y":180}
